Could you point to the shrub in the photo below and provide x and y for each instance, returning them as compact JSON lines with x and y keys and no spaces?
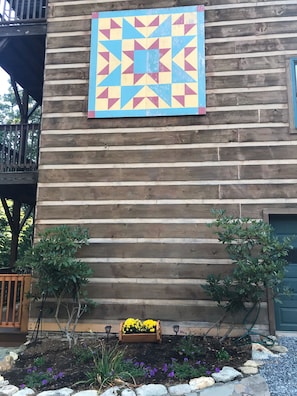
{"x":109,"y":365}
{"x":259,"y":259}
{"x":60,"y":274}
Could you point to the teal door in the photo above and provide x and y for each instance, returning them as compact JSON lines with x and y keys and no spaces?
{"x":286,"y":312}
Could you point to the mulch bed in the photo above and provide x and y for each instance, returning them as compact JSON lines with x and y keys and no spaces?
{"x":71,"y":366}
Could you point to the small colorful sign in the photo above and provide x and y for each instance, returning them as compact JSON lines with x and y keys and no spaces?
{"x":147,"y":63}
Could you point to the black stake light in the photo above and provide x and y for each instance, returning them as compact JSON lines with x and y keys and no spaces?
{"x":176,"y":329}
{"x":107,"y":331}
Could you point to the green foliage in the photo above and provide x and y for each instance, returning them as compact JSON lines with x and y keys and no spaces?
{"x":185,"y":370}
{"x":39,"y":361}
{"x":54,"y":264}
{"x":131,"y":369}
{"x":223,"y":355}
{"x":25,"y":236}
{"x":60,"y":274}
{"x":82,"y":353}
{"x":109,"y":366}
{"x":37,"y":378}
{"x":188,"y":348}
{"x":9,"y":110}
{"x":5,"y":241}
{"x":259,"y":259}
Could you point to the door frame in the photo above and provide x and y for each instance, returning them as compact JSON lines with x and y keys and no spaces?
{"x":270,"y":301}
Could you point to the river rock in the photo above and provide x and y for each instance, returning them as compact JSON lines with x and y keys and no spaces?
{"x":226,"y":374}
{"x":7,"y":363}
{"x":201,"y":383}
{"x":279,"y":349}
{"x":248,"y":370}
{"x":179,"y":390}
{"x":152,"y":390}
{"x":8,"y":390}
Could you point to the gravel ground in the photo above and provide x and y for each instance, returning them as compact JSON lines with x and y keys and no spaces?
{"x":281,"y":372}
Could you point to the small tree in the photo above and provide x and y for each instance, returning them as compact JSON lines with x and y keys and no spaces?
{"x":10,"y":112}
{"x":25,"y":235}
{"x":59,"y":274}
{"x":259,"y":259}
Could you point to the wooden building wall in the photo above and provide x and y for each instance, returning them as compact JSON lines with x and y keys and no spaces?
{"x":145,"y":187}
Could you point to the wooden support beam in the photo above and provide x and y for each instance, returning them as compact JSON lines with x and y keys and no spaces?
{"x":15,"y":232}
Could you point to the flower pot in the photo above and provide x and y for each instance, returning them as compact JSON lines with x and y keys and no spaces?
{"x":141,"y":337}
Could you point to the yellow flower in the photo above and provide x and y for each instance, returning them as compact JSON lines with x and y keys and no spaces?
{"x":132,"y":325}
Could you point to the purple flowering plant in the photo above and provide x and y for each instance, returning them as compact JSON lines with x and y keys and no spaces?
{"x":37,"y":378}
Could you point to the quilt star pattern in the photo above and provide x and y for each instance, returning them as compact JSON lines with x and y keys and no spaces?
{"x":148,"y":62}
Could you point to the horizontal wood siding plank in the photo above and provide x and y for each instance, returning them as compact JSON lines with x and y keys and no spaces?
{"x":185,"y":310}
{"x":113,"y":157}
{"x":75,"y":72}
{"x":146,"y":291}
{"x":247,"y":80}
{"x":81,"y":38}
{"x":278,"y":171}
{"x":251,"y":29}
{"x":132,"y":211}
{"x":256,"y":210}
{"x":163,"y":271}
{"x":267,"y":134}
{"x":249,"y":13}
{"x":140,"y":137}
{"x":245,"y":63}
{"x":141,"y":192}
{"x":81,"y":56}
{"x":259,"y":191}
{"x":251,"y":46}
{"x":58,"y":26}
{"x":69,"y":106}
{"x":136,"y":174}
{"x":250,"y":153}
{"x":249,"y":98}
{"x":154,"y":250}
{"x":144,"y":230}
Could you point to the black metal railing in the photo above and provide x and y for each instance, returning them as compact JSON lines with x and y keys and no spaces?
{"x":16,"y":11}
{"x":19,"y":145}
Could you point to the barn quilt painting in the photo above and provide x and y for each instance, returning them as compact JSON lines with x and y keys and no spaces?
{"x":148,"y":62}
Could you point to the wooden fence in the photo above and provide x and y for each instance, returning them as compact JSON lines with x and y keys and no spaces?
{"x":19,"y":147}
{"x":14,"y":304}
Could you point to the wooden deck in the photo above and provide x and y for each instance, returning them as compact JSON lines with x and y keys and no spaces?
{"x":19,"y":162}
{"x":22,"y":43}
{"x":14,"y":304}
{"x":19,"y":147}
{"x":22,"y":10}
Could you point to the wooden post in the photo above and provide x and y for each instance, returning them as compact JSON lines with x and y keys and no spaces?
{"x":25,"y":304}
{"x":15,"y":231}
